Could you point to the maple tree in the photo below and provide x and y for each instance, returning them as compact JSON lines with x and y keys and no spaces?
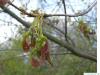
{"x":37,"y":47}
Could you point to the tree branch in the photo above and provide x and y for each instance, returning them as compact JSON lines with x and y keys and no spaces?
{"x":6,"y":10}
{"x":49,"y":15}
{"x":74,"y":50}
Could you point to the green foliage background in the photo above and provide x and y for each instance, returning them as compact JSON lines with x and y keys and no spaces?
{"x":67,"y":65}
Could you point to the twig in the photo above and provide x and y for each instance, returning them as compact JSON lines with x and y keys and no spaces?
{"x":64,"y":5}
{"x":73,"y":10}
{"x":60,"y":53}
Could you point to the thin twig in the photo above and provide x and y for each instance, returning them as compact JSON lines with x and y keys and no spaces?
{"x":72,"y":10}
{"x":64,"y":5}
{"x":64,"y":53}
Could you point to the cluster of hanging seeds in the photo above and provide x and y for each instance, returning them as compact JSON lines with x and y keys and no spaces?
{"x":36,"y":43}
